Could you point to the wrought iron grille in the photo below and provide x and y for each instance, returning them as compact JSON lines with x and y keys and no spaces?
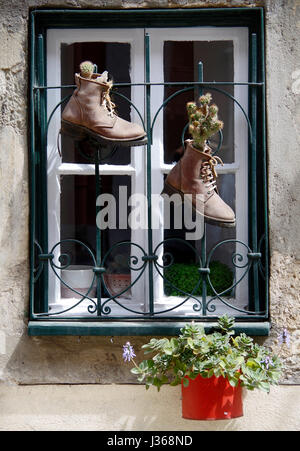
{"x":145,"y":262}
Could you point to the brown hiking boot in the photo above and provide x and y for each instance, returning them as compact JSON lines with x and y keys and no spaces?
{"x":195,"y":174}
{"x":90,"y":111}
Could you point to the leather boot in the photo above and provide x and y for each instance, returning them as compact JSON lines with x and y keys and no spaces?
{"x":195,"y":174}
{"x":90,"y":111}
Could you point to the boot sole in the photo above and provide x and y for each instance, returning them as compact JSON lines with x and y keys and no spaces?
{"x":80,"y":132}
{"x":169,"y":190}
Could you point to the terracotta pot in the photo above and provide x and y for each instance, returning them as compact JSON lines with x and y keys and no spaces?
{"x":116,"y":283}
{"x":211,"y":399}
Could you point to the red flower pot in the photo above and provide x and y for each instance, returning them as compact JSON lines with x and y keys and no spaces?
{"x":211,"y":399}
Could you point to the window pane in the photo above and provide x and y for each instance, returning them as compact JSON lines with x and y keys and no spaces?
{"x":184,"y":253}
{"x":113,"y":57}
{"x":78,"y":222}
{"x":181,"y":64}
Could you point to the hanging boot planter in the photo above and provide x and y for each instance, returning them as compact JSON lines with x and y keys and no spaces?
{"x":212,"y":368}
{"x":91,"y":113}
{"x":195,"y":173}
{"x":211,"y":398}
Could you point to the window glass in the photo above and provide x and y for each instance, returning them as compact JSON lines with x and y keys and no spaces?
{"x":181,"y":60}
{"x":79,"y":222}
{"x":181,"y":64}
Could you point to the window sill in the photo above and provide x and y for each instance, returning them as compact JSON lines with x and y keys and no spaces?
{"x":129,"y":328}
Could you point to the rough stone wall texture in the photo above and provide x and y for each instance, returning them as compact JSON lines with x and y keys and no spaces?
{"x":98,"y":359}
{"x":283,"y":109}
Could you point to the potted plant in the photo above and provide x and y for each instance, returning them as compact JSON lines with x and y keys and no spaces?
{"x":212,"y":368}
{"x":80,"y":278}
{"x":118,"y":278}
{"x":186,"y":275}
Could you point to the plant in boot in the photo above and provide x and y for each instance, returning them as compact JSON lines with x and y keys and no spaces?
{"x":86,"y":69}
{"x":90,"y":111}
{"x":219,"y":353}
{"x":195,"y":173}
{"x":203,"y":120}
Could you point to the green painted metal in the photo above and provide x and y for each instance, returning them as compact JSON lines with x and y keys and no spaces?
{"x":32,"y":167}
{"x":39,"y":167}
{"x":203,"y":239}
{"x":104,"y":324}
{"x":98,"y":231}
{"x":253,"y":164}
{"x":141,"y":18}
{"x":149,"y":188}
{"x":264,"y":159}
{"x":125,"y":328}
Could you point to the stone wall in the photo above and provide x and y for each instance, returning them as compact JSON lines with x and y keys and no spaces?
{"x":98,"y":359}
{"x":283,"y":124}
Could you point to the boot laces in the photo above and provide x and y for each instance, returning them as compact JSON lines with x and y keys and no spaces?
{"x":208,"y":172}
{"x":106,"y":101}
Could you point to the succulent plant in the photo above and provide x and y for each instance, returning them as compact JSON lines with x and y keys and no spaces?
{"x":203,"y":120}
{"x":218,"y":353}
{"x":86,"y":69}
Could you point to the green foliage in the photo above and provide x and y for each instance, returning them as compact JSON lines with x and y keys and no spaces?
{"x":203,"y":120}
{"x":186,"y":277}
{"x":219,"y":353}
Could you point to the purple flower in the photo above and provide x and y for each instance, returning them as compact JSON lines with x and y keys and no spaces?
{"x":267,"y":362}
{"x":284,"y":337}
{"x":128,"y":352}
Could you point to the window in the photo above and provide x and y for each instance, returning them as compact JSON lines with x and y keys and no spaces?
{"x":147,"y":271}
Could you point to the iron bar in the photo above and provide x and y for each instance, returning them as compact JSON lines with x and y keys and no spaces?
{"x":264,"y":160}
{"x":149,"y":187}
{"x":98,"y":231}
{"x":253,"y":168}
{"x":203,"y":238}
{"x":170,"y":83}
{"x":42,"y":179}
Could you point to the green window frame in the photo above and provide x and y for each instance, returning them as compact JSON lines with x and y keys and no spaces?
{"x":257,"y":321}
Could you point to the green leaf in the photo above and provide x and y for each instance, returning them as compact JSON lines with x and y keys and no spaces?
{"x":190,"y":342}
{"x":175,"y":382}
{"x":210,"y":372}
{"x":264,"y":386}
{"x":251,"y":363}
{"x":233,"y":381}
{"x":185,"y":382}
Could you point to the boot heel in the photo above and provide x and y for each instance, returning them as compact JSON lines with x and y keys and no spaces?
{"x":169,"y":190}
{"x":73,"y":130}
